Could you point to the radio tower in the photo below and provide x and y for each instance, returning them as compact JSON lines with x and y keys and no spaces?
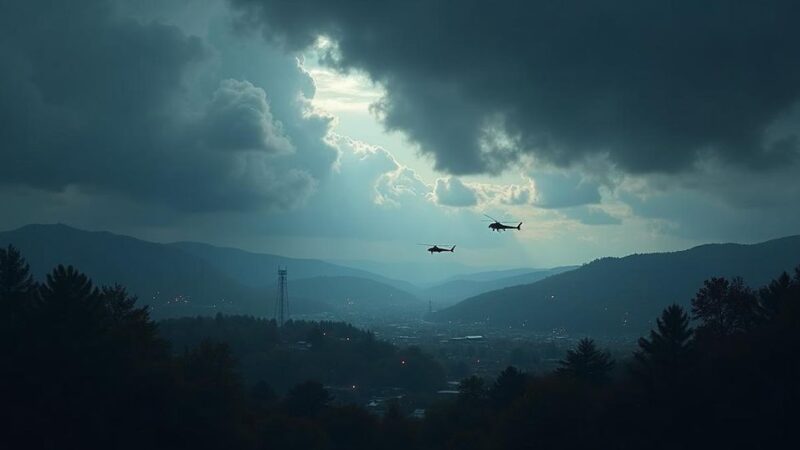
{"x":282,"y":299}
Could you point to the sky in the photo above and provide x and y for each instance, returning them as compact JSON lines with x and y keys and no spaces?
{"x":352,"y":131}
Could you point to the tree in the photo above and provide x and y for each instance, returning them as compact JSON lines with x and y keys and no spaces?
{"x":16,"y":283}
{"x":128,"y":325}
{"x":586,"y":363}
{"x":70,"y":310}
{"x":67,"y":288}
{"x":508,"y":386}
{"x":780,"y":303}
{"x":17,"y":293}
{"x":775,"y":296}
{"x":472,"y":390}
{"x":667,"y":350}
{"x":725,"y":308}
{"x":86,"y":351}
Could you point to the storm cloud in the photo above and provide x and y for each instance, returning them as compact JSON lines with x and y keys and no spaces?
{"x":99,"y":101}
{"x":562,"y":190}
{"x":611,"y":127}
{"x":653,"y":86}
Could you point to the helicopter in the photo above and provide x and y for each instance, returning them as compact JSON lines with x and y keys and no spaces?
{"x":496,"y":225}
{"x":436,"y":249}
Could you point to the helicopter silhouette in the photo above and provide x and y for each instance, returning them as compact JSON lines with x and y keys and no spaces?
{"x":436,"y":249}
{"x":496,"y":225}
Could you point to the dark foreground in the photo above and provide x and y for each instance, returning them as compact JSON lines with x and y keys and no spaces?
{"x":83,"y":367}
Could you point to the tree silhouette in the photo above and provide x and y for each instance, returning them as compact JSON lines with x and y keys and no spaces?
{"x":725,"y":308}
{"x":776,"y":294}
{"x":509,"y":385}
{"x":472,"y":390}
{"x":66,"y":288}
{"x":16,"y":284}
{"x":128,"y":325}
{"x":70,"y":306}
{"x":586,"y":363}
{"x":666,"y":352}
{"x":17,"y":294}
{"x":121,"y":306}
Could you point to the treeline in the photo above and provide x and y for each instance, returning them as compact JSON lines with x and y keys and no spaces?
{"x":333,"y":353}
{"x":83,"y":367}
{"x":729,"y":381}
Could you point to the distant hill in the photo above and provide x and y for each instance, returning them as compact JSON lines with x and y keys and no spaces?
{"x":189,"y":278}
{"x":168,"y":279}
{"x":457,"y":289}
{"x":624,"y":295}
{"x":425,"y":270}
{"x":491,"y":275}
{"x":258,"y":269}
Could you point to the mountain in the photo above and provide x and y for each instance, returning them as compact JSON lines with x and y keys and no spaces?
{"x":624,"y":295}
{"x":425,"y":271}
{"x":491,"y":275}
{"x":190,"y":278}
{"x":458,"y":289}
{"x":170,"y":280}
{"x":258,"y":269}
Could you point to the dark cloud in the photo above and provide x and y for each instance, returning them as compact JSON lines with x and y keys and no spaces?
{"x":452,"y":192}
{"x":724,"y":204}
{"x":655,"y":86}
{"x":239,"y":119}
{"x":561,"y":190}
{"x":588,"y":215}
{"x":102,"y":102}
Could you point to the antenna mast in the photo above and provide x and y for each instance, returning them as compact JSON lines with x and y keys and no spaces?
{"x":282,"y":298}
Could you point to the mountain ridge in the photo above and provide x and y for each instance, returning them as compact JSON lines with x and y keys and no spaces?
{"x":170,"y":278}
{"x":583,"y":300}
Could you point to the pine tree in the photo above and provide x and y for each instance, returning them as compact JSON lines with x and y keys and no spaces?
{"x":586,"y":363}
{"x":70,"y":306}
{"x":17,"y":295}
{"x":129,"y":327}
{"x":774,"y":296}
{"x":667,"y":351}
{"x":68,"y":285}
{"x":16,"y":283}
